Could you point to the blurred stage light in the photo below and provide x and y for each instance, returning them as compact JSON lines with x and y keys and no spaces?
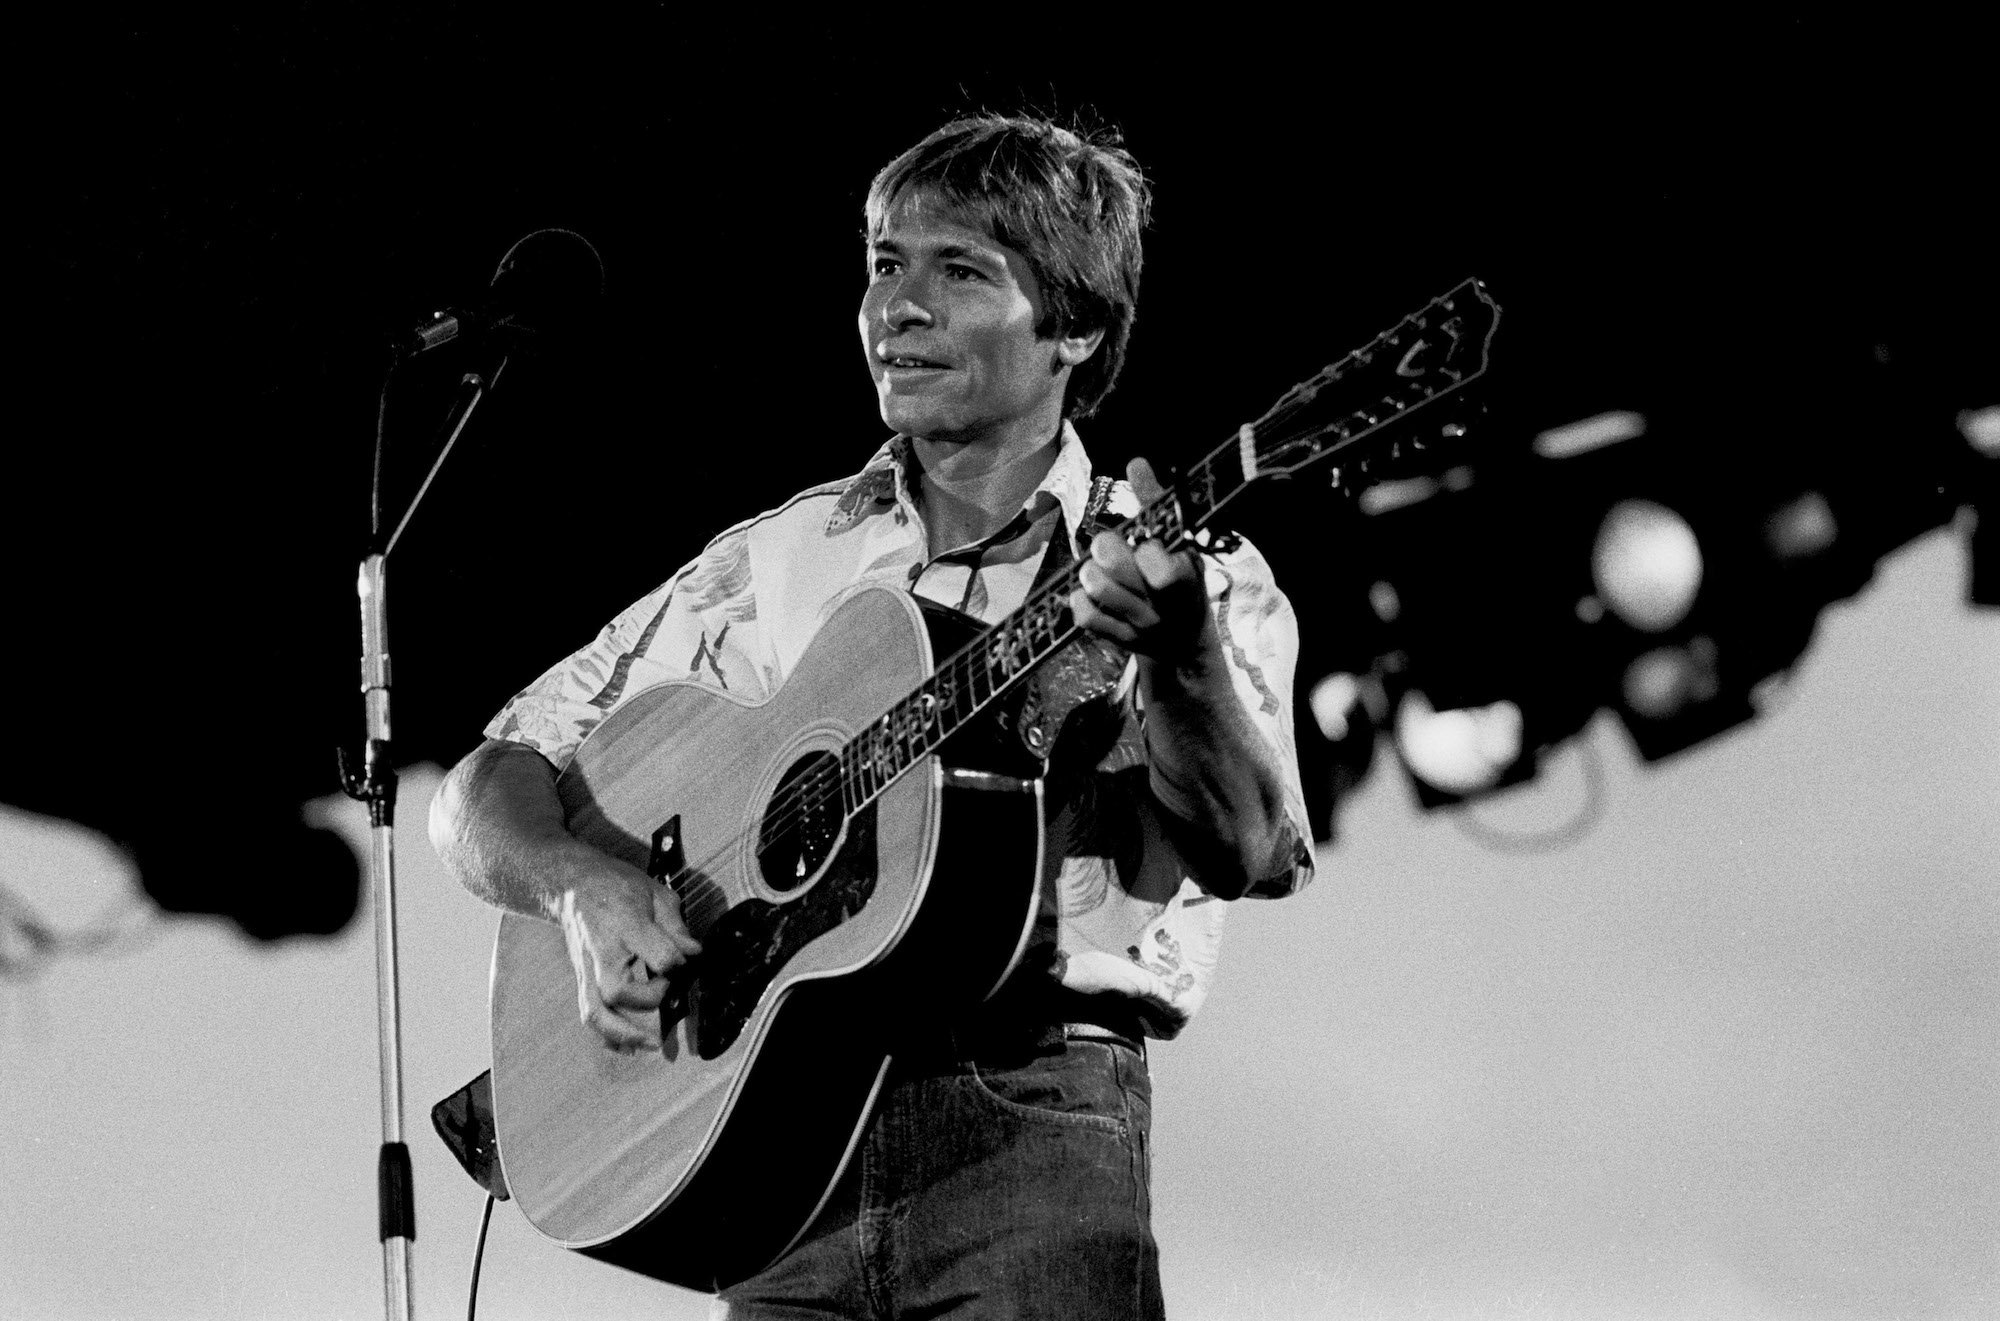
{"x":1646,"y":564}
{"x":1801,"y":528}
{"x":1384,"y":600}
{"x":1662,"y":683}
{"x":1386,"y":497}
{"x":1459,"y":752}
{"x":1333,"y":704}
{"x":1668,"y":565}
{"x":1981,"y":426}
{"x":1590,"y":433}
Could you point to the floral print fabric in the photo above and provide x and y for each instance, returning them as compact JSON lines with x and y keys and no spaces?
{"x":1121,"y":913}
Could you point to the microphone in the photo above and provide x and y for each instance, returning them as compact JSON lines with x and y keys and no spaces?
{"x":548,"y":285}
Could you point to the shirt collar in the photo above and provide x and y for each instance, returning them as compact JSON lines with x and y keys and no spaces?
{"x":885,"y":479}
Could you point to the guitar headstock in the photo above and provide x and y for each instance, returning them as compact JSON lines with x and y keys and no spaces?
{"x":1426,"y":355}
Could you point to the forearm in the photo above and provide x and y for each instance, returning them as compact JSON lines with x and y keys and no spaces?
{"x":1214,"y":773}
{"x":498,"y":826}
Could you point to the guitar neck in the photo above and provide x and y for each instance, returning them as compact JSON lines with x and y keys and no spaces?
{"x":1430,"y":353}
{"x":972,"y":679}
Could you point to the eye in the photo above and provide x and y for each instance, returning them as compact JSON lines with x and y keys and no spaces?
{"x":881,"y":266}
{"x":958,"y":271}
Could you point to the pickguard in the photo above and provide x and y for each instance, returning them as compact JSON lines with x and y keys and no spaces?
{"x":1064,"y":709}
{"x":744,"y":950}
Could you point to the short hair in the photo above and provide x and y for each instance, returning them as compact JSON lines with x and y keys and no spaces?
{"x":1071,"y":202}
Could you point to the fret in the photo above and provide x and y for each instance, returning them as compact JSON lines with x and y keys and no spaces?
{"x":864,"y":773}
{"x":850,"y":802}
{"x":1040,"y":626}
{"x":966,"y":695}
{"x":857,"y":771}
{"x":879,"y":767}
{"x":951,"y":691}
{"x":1197,"y":491}
{"x":1161,"y":521}
{"x":989,"y":669}
{"x":1008,"y":649}
{"x":886,"y":751}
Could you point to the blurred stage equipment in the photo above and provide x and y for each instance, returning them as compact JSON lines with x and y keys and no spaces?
{"x":1669,"y":566}
{"x":546,"y":287}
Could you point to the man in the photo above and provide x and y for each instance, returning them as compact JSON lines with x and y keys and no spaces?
{"x":1005,"y":1172}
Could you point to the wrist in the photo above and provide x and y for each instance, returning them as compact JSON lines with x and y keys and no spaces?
{"x":587,"y":880}
{"x":1199,"y":672}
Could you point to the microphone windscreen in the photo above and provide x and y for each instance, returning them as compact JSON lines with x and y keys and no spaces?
{"x":549,"y":283}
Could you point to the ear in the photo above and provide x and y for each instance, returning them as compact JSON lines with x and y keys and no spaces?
{"x":1073,"y":349}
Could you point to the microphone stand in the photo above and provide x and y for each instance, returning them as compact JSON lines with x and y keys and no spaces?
{"x":376,"y":786}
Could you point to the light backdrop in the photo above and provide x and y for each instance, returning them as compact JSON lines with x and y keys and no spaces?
{"x":1735,"y":1054}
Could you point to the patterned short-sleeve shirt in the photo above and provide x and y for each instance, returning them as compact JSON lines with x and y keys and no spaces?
{"x":743,"y":612}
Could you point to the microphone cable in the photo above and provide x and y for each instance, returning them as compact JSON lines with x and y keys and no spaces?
{"x":478,"y":1255}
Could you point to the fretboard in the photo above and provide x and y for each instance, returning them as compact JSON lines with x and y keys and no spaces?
{"x":966,"y":683}
{"x":1430,"y":353}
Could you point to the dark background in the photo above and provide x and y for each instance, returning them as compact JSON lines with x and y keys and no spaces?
{"x":1767,"y":235}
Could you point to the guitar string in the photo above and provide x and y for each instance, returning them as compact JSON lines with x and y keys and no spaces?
{"x":1289,"y":405}
{"x":785,"y":816}
{"x":817,"y":789}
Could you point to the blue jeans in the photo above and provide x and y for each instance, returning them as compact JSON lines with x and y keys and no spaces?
{"x":992,"y":1185}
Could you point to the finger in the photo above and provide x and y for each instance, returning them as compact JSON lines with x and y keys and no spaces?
{"x":648,"y":951}
{"x":1145,"y":484}
{"x":1111,"y":558}
{"x":634,"y":990}
{"x":617,"y":1031}
{"x":667,"y":916}
{"x":617,"y":970}
{"x":1087,"y":615}
{"x":1115,"y":598}
{"x":658,"y":947}
{"x":1160,"y":568}
{"x":623,"y":1032}
{"x":1109,"y":552}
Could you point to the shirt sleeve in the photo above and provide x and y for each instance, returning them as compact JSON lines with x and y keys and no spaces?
{"x":1260,"y":640}
{"x":700,"y":625}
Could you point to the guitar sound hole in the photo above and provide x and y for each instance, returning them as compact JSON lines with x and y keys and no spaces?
{"x":801,"y":823}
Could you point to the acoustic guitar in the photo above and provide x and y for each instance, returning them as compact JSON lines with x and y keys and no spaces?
{"x":848,"y":872}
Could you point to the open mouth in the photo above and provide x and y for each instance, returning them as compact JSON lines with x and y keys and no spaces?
{"x":905,"y":363}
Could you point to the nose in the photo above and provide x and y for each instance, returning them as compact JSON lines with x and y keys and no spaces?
{"x":905,"y":306}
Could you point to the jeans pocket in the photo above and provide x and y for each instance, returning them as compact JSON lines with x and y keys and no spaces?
{"x":1077,"y":1086}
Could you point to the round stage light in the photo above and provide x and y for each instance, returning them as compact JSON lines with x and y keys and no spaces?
{"x":1461,"y":751}
{"x":1647,"y":565}
{"x":1801,"y":528}
{"x":1666,"y":680}
{"x":1332,"y":703}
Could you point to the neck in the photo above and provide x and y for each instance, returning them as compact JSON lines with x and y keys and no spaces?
{"x":969,"y":490}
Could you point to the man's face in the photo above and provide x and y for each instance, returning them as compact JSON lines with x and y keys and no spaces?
{"x":948,"y":323}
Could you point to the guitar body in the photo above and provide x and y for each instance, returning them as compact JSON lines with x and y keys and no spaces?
{"x":701,"y":1163}
{"x":849,"y":874}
